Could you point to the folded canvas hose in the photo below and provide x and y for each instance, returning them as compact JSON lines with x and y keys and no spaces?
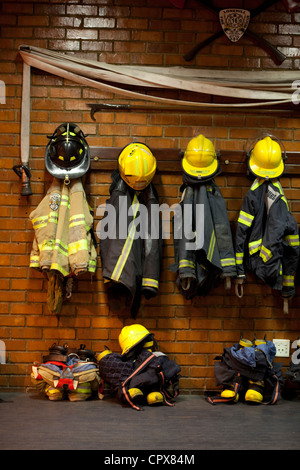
{"x":255,"y":89}
{"x":89,"y":73}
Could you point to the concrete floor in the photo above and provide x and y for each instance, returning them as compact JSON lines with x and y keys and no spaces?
{"x":32,"y":422}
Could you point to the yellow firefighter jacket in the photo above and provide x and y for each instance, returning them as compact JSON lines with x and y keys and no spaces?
{"x":63,"y":226}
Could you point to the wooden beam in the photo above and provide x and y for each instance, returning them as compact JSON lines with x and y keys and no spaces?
{"x":168,"y":160}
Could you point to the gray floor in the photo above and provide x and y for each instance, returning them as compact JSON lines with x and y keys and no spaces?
{"x":31,"y":422}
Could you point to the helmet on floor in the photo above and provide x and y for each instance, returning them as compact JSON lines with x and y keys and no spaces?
{"x":67,"y":153}
{"x":133,"y":335}
{"x":200,"y":159}
{"x":137,"y":165}
{"x":265,"y":159}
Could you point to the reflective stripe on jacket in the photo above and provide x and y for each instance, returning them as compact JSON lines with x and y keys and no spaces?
{"x":267,"y":239}
{"x":63,"y":225}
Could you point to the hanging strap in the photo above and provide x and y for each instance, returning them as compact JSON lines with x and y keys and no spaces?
{"x":23,"y":170}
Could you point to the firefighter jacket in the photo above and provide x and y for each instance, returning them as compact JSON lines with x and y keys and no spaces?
{"x":204,"y":250}
{"x":131,"y":244}
{"x":267,"y":239}
{"x":64,"y":243}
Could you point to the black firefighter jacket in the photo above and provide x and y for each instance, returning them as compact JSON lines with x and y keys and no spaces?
{"x":131,"y":255}
{"x":204,"y":250}
{"x":267,"y":239}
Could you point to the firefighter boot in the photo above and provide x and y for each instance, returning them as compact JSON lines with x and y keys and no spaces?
{"x":136,"y":396}
{"x":54,"y":394}
{"x":82,"y":392}
{"x":255,"y":392}
{"x":155,"y":398}
{"x":229,"y":392}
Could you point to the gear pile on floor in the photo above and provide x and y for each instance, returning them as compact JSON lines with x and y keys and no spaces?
{"x":247,"y":373}
{"x":140,"y":375}
{"x":67,"y":373}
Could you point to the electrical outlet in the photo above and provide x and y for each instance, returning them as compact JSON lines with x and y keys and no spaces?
{"x":282,"y":347}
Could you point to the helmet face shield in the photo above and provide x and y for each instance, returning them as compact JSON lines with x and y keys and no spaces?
{"x":266,"y":159}
{"x":67,"y":153}
{"x":137,"y":166}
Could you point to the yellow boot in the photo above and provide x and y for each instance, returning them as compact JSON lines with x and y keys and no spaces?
{"x":54,"y":394}
{"x":155,"y":398}
{"x":82,"y":392}
{"x":229,"y":392}
{"x":136,"y":396}
{"x":255,"y":391}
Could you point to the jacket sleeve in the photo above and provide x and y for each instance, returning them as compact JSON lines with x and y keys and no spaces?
{"x":184,"y":244}
{"x":44,"y":219}
{"x":82,"y":253}
{"x":280,"y":247}
{"x":35,"y":255}
{"x":252,"y":208}
{"x":279,"y":251}
{"x":291,"y":249}
{"x":245,"y":219}
{"x":152,"y":240}
{"x":185,"y":236}
{"x":290,"y":257}
{"x":222,"y":230}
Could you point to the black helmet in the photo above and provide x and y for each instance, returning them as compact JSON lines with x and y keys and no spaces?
{"x":67,"y":153}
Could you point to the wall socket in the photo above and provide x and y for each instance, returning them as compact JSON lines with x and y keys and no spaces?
{"x":282,"y":347}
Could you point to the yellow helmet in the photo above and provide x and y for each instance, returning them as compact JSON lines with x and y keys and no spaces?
{"x":132,"y":335}
{"x":200,"y":159}
{"x":137,"y":165}
{"x":265,"y":159}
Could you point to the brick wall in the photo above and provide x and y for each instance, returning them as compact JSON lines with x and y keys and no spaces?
{"x":191,"y":332}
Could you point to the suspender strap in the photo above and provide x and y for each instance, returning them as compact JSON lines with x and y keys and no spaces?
{"x":137,"y":370}
{"x":275,"y":395}
{"x":218,"y":399}
{"x":163,"y":390}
